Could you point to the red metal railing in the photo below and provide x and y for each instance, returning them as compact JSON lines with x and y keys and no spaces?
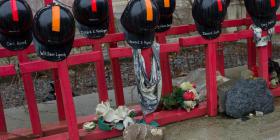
{"x":65,"y":105}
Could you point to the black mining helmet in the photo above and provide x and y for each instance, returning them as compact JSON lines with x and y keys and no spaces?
{"x":263,"y":12}
{"x":166,"y":10}
{"x":54,"y":32}
{"x":139,"y":20}
{"x":208,"y":16}
{"x":16,"y":21}
{"x":92,"y":17}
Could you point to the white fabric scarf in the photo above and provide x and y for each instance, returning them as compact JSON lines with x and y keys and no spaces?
{"x":149,"y":89}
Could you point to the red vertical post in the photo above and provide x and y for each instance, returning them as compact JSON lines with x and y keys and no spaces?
{"x":58,"y":94}
{"x":263,"y":62}
{"x":100,"y":75}
{"x":3,"y":126}
{"x":251,"y":51}
{"x":30,"y":97}
{"x":68,"y":100}
{"x":221,"y":60}
{"x":269,"y":49}
{"x":211,"y":85}
{"x":165,"y":68}
{"x":116,"y":70}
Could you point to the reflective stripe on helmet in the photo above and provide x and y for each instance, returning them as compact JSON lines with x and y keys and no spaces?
{"x":56,"y":19}
{"x":93,"y":6}
{"x":220,"y":5}
{"x":149,"y":8}
{"x":166,"y":3}
{"x":272,"y":3}
{"x":14,"y":10}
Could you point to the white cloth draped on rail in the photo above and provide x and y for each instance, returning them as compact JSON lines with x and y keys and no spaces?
{"x":149,"y":89}
{"x":260,"y":40}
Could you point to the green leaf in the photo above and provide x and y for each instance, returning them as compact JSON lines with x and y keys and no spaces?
{"x":132,"y":114}
{"x":154,"y":124}
{"x":103,"y":125}
{"x":142,"y":121}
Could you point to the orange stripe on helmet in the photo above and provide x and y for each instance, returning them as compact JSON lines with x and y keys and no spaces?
{"x":166,"y":3}
{"x":272,"y":3}
{"x":56,"y":19}
{"x":149,"y":8}
{"x":93,"y":6}
{"x":14,"y":10}
{"x":220,"y":5}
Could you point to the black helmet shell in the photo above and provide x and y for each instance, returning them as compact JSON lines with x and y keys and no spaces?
{"x":42,"y":29}
{"x":15,"y":34}
{"x":83,"y":13}
{"x":138,"y":30}
{"x":166,"y":14}
{"x":53,"y":45}
{"x":208,"y":16}
{"x":92,"y":22}
{"x":263,"y":12}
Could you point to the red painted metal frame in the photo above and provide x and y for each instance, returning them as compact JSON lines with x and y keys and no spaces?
{"x":40,"y":65}
{"x":116,"y":68}
{"x":62,"y":68}
{"x":162,"y":117}
{"x":29,"y":88}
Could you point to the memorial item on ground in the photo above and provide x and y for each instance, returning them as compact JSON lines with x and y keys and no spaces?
{"x":184,"y":96}
{"x":109,"y":118}
{"x":143,"y":132}
{"x":248,"y":96}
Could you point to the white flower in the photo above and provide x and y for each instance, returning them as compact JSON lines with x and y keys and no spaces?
{"x":103,"y":108}
{"x":186,"y":86}
{"x":110,"y":115}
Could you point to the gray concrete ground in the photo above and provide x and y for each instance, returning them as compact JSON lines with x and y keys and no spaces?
{"x":204,"y":128}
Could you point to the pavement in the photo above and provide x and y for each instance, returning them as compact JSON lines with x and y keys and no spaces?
{"x":203,"y":128}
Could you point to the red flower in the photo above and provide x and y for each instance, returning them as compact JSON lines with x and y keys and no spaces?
{"x":188,"y":95}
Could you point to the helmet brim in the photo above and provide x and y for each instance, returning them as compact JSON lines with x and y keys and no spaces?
{"x":165,"y":23}
{"x":209,"y":32}
{"x":95,"y":31}
{"x":139,"y":41}
{"x":53,"y":53}
{"x":16,"y":42}
{"x":265,"y":23}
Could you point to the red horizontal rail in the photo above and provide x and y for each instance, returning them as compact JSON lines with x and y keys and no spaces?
{"x":7,"y":53}
{"x":77,"y":43}
{"x":41,"y":65}
{"x":107,"y":39}
{"x":198,"y":40}
{"x":7,"y":70}
{"x":175,"y":30}
{"x":127,"y":51}
{"x":227,"y":37}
